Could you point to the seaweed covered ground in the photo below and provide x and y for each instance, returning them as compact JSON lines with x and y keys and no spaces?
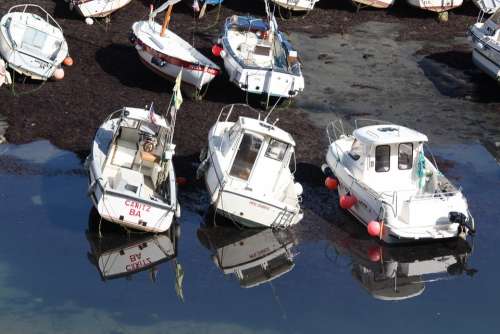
{"x":107,"y":73}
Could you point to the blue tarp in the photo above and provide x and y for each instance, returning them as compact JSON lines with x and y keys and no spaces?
{"x":248,"y":22}
{"x":212,"y":2}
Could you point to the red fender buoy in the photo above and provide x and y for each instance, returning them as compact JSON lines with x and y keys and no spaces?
{"x":331,"y":183}
{"x":347,"y":201}
{"x":181,"y":181}
{"x":374,"y":228}
{"x":375,"y":253}
{"x":216,"y":50}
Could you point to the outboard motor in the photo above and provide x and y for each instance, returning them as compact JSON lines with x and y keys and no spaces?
{"x":461,"y":219}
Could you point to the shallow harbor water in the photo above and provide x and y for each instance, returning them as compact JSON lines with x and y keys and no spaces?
{"x":48,"y":284}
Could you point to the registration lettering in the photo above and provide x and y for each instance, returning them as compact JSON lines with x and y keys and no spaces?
{"x":259,"y":205}
{"x":137,"y":262}
{"x":135,"y":208}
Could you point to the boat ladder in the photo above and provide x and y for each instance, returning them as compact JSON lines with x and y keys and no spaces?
{"x":283,"y":220}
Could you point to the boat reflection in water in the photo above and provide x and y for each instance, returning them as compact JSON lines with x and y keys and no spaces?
{"x":401,"y":272}
{"x":120,"y":254}
{"x":254,"y":256}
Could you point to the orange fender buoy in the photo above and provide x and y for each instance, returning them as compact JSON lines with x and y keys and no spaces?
{"x":68,"y":61}
{"x":331,"y":183}
{"x":58,"y":74}
{"x":374,"y":228}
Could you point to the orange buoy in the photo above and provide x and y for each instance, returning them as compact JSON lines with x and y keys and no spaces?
{"x":347,"y":201}
{"x":375,"y":253}
{"x":68,"y":61}
{"x":58,"y":74}
{"x":216,"y":50}
{"x":331,"y":183}
{"x":181,"y":181}
{"x":374,"y":228}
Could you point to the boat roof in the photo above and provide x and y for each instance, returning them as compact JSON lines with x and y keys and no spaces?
{"x":263,"y":128}
{"x":388,"y":134}
{"x":145,"y":115}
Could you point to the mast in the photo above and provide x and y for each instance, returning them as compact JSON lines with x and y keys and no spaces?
{"x":168,"y":14}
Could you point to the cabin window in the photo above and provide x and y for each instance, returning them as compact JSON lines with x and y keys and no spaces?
{"x":262,"y":50}
{"x":405,"y":156}
{"x":382,"y":158}
{"x":356,"y":150}
{"x":246,"y":156}
{"x":276,"y":150}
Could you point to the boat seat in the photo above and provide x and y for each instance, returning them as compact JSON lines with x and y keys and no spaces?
{"x":124,"y":155}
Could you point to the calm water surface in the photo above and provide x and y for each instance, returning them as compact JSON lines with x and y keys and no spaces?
{"x":324,"y":276}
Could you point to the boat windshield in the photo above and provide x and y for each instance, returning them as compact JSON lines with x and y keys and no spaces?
{"x":246,"y":156}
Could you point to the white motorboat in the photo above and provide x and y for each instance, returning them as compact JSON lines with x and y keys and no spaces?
{"x":397,"y":273}
{"x":131,"y":174}
{"x":487,"y":6}
{"x":32,"y":42}
{"x":439,"y":6}
{"x":97,"y":8}
{"x":258,"y":58}
{"x":120,"y":254}
{"x":387,"y":183}
{"x":382,"y":4}
{"x":253,"y":256}
{"x":485,"y":37}
{"x":247,"y":171}
{"x":296,"y":5}
{"x":167,"y":54}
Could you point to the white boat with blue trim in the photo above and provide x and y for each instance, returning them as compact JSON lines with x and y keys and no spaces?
{"x":485,"y":38}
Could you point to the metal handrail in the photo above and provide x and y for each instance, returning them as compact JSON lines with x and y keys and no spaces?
{"x":48,"y":18}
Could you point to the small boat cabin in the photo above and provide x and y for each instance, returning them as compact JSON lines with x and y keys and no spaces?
{"x":385,"y":156}
{"x":260,"y":152}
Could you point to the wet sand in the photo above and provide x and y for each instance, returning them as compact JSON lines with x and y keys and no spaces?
{"x":406,"y":79}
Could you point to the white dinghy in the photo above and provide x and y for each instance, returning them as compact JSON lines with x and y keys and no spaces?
{"x":296,"y":5}
{"x":439,"y":6}
{"x":131,"y":174}
{"x":167,"y":54}
{"x":381,"y":4}
{"x":487,"y":6}
{"x":485,"y":37}
{"x":388,"y":184}
{"x":97,"y":8}
{"x":254,"y":257}
{"x":247,"y":173}
{"x":32,"y":42}
{"x":259,"y":58}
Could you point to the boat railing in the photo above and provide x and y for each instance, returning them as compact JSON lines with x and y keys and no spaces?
{"x":334,"y":130}
{"x":48,"y":18}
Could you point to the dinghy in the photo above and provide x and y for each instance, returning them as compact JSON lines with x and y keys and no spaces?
{"x":384,"y":179}
{"x":131,"y":174}
{"x":382,"y":4}
{"x":254,"y":257}
{"x":247,"y":173}
{"x":439,"y":6}
{"x":258,"y":58}
{"x":296,"y":5}
{"x":167,"y":54}
{"x":485,"y":38}
{"x":97,"y":8}
{"x":120,"y":254}
{"x":32,"y":42}
{"x":487,"y":6}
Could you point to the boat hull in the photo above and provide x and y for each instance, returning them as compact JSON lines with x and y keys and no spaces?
{"x":417,"y":220}
{"x":196,"y":72}
{"x":485,"y":55}
{"x":382,"y":4}
{"x":437,"y":6}
{"x":99,"y":8}
{"x":296,"y":5}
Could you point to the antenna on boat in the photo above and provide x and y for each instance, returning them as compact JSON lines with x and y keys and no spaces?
{"x":272,"y":109}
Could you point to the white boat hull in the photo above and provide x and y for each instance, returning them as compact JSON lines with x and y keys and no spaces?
{"x":132,"y":209}
{"x":167,"y":56}
{"x":296,"y":5}
{"x":31,"y":45}
{"x":487,"y":6}
{"x":485,"y":52}
{"x":416,"y":218}
{"x":98,"y":8}
{"x":436,"y":5}
{"x":382,"y":4}
{"x":263,"y":81}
